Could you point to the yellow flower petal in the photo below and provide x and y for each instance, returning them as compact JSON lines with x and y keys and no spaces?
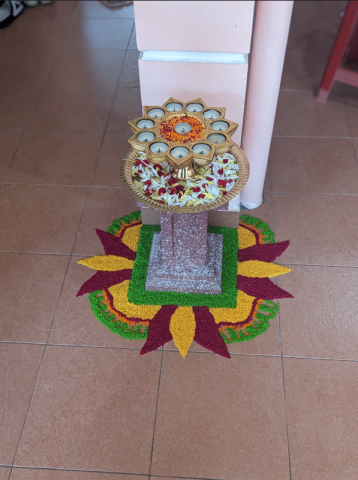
{"x":233,"y":315}
{"x":182,"y":327}
{"x":246,"y":238}
{"x":256,"y":268}
{"x":108,"y":263}
{"x":131,"y":237}
{"x":120,"y":302}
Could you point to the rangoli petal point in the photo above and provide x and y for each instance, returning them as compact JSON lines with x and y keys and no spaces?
{"x":108,"y":263}
{"x":258,"y":269}
{"x":182,"y":327}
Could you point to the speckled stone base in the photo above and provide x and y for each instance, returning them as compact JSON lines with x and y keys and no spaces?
{"x":191,"y":279}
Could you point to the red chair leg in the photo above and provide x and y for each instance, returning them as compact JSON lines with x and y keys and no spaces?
{"x":338,"y":50}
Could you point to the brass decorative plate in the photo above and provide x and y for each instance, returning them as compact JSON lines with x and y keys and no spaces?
{"x":244,"y":171}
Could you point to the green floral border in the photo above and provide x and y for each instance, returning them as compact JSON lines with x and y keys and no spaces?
{"x":109,"y":320}
{"x":138,"y":295}
{"x":270,"y":307}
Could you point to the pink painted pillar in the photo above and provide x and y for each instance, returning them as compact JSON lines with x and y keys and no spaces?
{"x":272,"y":22}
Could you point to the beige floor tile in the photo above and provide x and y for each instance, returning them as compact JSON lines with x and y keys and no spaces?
{"x":99,"y":33}
{"x":37,"y":28}
{"x":350,"y":102}
{"x":115,"y":147}
{"x":34,"y":474}
{"x":321,"y":320}
{"x":127,"y":106}
{"x":68,"y":110}
{"x":58,"y":157}
{"x":313,"y":165}
{"x":93,"y":409}
{"x":299,"y":114}
{"x":39,"y":218}
{"x":355,"y":144}
{"x":9,"y":142}
{"x":307,"y":29}
{"x":104,"y":206}
{"x":321,"y":228}
{"x":321,"y":400}
{"x":26,"y":67}
{"x":86,"y":69}
{"x":17,"y":105}
{"x":4,"y":471}
{"x":29,"y":306}
{"x":303,"y":70}
{"x":332,"y":12}
{"x":130,"y":73}
{"x":19,"y":366}
{"x":75,"y":323}
{"x":210,"y":407}
{"x":90,"y":9}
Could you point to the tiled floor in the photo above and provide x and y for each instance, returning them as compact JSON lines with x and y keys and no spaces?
{"x":78,"y":402}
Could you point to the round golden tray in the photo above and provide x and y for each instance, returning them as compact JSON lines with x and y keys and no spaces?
{"x":126,"y":175}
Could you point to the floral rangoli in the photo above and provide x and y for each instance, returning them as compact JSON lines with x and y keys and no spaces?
{"x":120,"y":302}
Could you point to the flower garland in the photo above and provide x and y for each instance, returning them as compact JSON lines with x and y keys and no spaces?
{"x":211,"y":182}
{"x":167,"y":129}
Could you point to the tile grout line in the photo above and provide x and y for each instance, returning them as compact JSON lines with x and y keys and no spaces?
{"x":12,"y":160}
{"x":19,"y":467}
{"x":284,"y":390}
{"x":23,"y":467}
{"x":281,"y":352}
{"x":155,"y":416}
{"x":109,"y":347}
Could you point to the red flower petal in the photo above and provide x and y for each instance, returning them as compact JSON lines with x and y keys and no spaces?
{"x":172,"y":181}
{"x":162,"y":191}
{"x":207,"y":334}
{"x":158,"y":331}
{"x":113,"y":245}
{"x":222,"y":183}
{"x":264,"y":253}
{"x":102,"y":280}
{"x":261,"y":288}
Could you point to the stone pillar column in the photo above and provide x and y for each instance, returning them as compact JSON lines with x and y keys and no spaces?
{"x":184,"y":239}
{"x":184,"y":257}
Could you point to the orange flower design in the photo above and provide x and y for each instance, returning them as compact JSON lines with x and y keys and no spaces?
{"x":167,"y":129}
